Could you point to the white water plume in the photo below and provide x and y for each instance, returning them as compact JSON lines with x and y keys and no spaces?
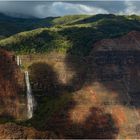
{"x":30,"y":98}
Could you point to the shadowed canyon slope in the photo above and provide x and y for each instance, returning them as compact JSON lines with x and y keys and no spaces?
{"x":11,"y":87}
{"x":103,"y":86}
{"x":13,"y":131}
{"x":115,"y":64}
{"x":130,"y":41}
{"x":118,"y":59}
{"x":84,"y":76}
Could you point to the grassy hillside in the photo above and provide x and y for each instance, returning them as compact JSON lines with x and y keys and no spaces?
{"x":68,"y":19}
{"x":10,"y":25}
{"x":76,"y":35}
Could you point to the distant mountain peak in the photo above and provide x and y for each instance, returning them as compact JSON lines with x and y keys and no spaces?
{"x":15,"y":16}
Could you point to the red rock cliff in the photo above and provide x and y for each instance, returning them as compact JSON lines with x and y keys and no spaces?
{"x":11,"y":86}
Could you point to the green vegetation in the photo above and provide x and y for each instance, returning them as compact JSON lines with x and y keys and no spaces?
{"x":36,"y":41}
{"x":47,"y":107}
{"x":11,"y":25}
{"x":71,"y":34}
{"x":68,"y":19}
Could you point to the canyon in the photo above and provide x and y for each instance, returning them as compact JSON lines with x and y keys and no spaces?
{"x":70,"y":77}
{"x":12,"y":98}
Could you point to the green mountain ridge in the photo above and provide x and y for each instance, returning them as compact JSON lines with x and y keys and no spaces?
{"x":12,"y":25}
{"x":72,"y":34}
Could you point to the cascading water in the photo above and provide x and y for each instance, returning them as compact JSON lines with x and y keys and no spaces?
{"x":18,"y":60}
{"x":30,"y":98}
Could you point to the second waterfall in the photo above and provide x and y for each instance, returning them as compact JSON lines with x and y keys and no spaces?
{"x":30,"y":99}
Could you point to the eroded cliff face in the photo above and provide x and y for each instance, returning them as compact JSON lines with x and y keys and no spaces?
{"x":130,"y":41}
{"x":105,"y":87}
{"x":12,"y":100}
{"x":115,"y":65}
{"x":13,"y":131}
{"x":117,"y":59}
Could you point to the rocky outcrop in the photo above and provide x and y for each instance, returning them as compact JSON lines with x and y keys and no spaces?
{"x":13,"y":131}
{"x":11,"y":87}
{"x":130,"y":41}
{"x":118,"y":59}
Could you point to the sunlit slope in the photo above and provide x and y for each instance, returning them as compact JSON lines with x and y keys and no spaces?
{"x":75,"y":35}
{"x":11,"y":25}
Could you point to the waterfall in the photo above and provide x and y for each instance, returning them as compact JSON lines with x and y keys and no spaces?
{"x":30,"y":98}
{"x":18,"y":60}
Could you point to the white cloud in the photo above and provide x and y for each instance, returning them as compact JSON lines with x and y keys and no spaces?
{"x":132,"y":7}
{"x":63,"y":8}
{"x":45,"y":9}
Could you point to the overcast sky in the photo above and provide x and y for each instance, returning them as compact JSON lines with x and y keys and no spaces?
{"x":44,"y":9}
